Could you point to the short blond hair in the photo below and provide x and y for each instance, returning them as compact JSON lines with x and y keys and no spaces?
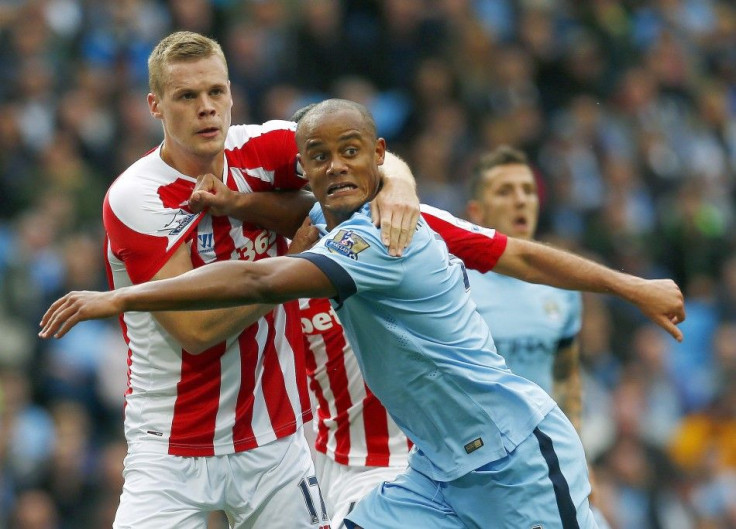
{"x":179,"y":46}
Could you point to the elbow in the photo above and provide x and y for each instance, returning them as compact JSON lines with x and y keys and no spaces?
{"x":197,"y":343}
{"x":518,"y":261}
{"x":192,"y":338}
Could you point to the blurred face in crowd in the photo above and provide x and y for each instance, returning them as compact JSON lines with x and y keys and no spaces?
{"x":195,"y":107}
{"x":507,"y":200}
{"x":340,"y":155}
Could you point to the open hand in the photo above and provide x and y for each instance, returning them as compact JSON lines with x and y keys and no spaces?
{"x":77,"y":306}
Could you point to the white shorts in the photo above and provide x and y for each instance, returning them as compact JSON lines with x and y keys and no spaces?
{"x":270,"y":486}
{"x":343,"y":486}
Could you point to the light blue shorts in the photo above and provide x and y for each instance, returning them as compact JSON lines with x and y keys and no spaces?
{"x":542,"y":484}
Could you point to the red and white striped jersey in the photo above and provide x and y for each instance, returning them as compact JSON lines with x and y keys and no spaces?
{"x":353,"y":427}
{"x":241,"y":393}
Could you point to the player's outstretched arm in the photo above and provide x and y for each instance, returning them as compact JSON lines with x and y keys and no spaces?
{"x":659,"y":299}
{"x":222,"y":284}
{"x":279,"y":211}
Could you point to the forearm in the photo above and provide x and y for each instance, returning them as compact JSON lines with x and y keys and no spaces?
{"x":279,"y":211}
{"x":199,"y":330}
{"x":535,"y":262}
{"x":228,"y":284}
{"x":397,"y":170}
{"x":217,"y":285}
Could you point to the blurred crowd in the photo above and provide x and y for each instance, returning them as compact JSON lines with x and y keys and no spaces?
{"x":627,"y":109}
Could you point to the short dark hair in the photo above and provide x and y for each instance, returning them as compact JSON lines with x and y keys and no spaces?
{"x":501,"y":155}
{"x":328,"y":106}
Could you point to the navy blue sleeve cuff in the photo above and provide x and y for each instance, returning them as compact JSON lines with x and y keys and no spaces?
{"x":565,"y":342}
{"x":341,"y":280}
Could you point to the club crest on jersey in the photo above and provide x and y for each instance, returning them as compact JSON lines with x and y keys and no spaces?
{"x":552,"y":309}
{"x":347,"y":243}
{"x":181,"y":220}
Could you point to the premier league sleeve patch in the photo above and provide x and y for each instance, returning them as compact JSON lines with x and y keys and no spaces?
{"x":179,"y":221}
{"x":347,"y":243}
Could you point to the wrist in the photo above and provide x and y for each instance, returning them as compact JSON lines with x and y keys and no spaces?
{"x":235,"y":204}
{"x":121,"y":300}
{"x":628,"y":287}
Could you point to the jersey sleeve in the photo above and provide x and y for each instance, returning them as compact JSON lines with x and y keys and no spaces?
{"x":145,"y":225}
{"x":478,"y":247}
{"x":268,"y":153}
{"x":355,"y":260}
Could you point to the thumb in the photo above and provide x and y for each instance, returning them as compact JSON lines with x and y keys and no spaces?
{"x":199,"y":201}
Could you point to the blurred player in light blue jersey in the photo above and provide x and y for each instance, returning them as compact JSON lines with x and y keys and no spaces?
{"x":492,"y":449}
{"x":534,"y":326}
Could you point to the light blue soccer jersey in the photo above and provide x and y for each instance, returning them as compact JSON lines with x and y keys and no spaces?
{"x":529,"y":322}
{"x":424,"y":350}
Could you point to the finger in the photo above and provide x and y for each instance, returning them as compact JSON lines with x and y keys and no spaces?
{"x":66,"y":318}
{"x":52,"y":309}
{"x":196,"y":203}
{"x":205,"y":182}
{"x":49,"y":329}
{"x":408,"y":225}
{"x":203,"y":197}
{"x":671,"y":328}
{"x":52,"y":324}
{"x":375,"y":214}
{"x":206,"y":201}
{"x":65,"y":327}
{"x":394,"y":237}
{"x":385,"y":224}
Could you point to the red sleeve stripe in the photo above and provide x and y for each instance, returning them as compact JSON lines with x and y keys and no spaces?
{"x":479,"y":248}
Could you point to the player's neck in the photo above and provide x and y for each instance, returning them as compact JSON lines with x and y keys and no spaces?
{"x":334,"y":218}
{"x":192,"y":165}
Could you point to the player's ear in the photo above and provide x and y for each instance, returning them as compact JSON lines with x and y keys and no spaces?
{"x":380,"y":151}
{"x":474,"y":212}
{"x":153,"y":106}
{"x":300,"y":168}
